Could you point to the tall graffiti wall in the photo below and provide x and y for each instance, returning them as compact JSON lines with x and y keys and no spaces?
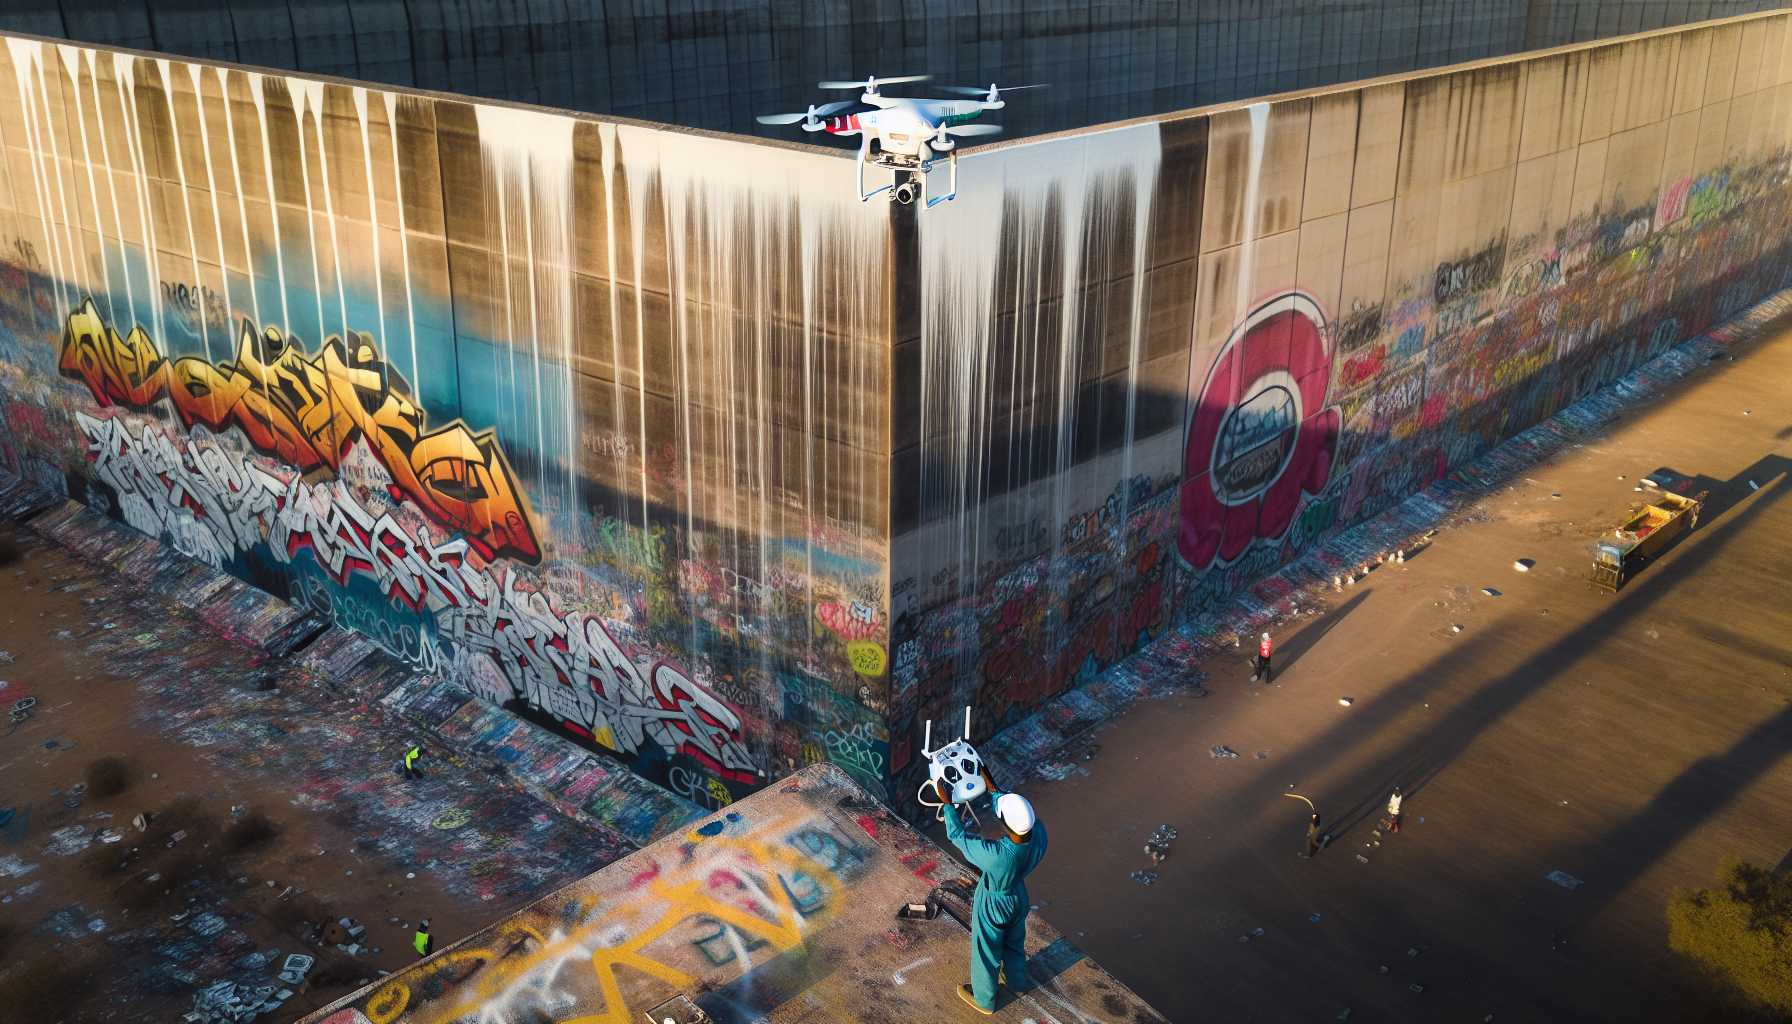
{"x":1150,"y":364}
{"x":588,"y":417}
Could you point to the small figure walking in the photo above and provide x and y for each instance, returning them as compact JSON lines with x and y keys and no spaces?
{"x":1314,"y":839}
{"x":411,"y":756}
{"x":423,"y":942}
{"x":1394,"y":801}
{"x":1260,"y":669}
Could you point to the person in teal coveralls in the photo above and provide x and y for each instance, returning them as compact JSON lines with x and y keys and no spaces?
{"x":999,"y":912}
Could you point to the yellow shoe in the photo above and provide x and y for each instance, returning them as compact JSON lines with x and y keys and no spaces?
{"x":964,"y":993}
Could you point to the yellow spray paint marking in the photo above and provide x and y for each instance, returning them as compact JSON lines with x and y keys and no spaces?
{"x":867,"y":657}
{"x":687,"y":895}
{"x":386,"y":1004}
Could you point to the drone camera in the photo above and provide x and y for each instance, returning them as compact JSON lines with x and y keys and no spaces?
{"x":905,"y":193}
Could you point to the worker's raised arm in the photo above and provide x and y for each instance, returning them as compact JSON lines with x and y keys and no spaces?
{"x":982,"y":853}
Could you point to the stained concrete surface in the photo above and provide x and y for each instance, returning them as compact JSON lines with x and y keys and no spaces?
{"x":1631,"y":741}
{"x":118,"y":671}
{"x":779,"y":908}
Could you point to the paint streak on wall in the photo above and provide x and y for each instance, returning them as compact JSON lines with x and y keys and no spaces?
{"x":475,"y":381}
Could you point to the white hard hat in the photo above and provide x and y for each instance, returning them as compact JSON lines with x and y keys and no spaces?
{"x":1015,"y":813}
{"x":1266,"y":636}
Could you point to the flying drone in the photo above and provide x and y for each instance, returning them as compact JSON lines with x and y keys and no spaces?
{"x":910,"y":133}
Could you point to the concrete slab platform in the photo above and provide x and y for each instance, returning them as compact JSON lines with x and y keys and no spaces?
{"x":779,"y":908}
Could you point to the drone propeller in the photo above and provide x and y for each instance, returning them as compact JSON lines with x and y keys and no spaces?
{"x":871,"y":83}
{"x":814,"y":112}
{"x":993,"y":94}
{"x":966,"y":130}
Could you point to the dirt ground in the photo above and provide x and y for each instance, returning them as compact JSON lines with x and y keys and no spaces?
{"x":117,"y":673}
{"x":1630,"y":741}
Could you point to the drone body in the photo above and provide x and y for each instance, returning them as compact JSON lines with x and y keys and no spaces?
{"x":905,"y":134}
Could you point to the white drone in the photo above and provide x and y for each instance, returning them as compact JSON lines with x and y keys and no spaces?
{"x":911,"y":132}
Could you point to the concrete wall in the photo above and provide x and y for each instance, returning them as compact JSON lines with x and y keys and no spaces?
{"x":667,"y":442}
{"x":1149,"y":365}
{"x":586,"y":416}
{"x":716,"y":63}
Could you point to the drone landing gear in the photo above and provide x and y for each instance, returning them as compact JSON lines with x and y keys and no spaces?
{"x":914,"y":181}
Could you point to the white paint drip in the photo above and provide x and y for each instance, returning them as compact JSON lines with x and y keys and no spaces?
{"x":25,"y":54}
{"x":1247,"y":253}
{"x":1016,"y":207}
{"x":124,"y":79}
{"x":373,"y":217}
{"x":186,"y":202}
{"x":312,"y":93}
{"x":196,"y":72}
{"x":256,"y":86}
{"x":404,"y":238}
{"x":299,"y":94}
{"x":528,"y":162}
{"x":733,"y":216}
{"x":71,"y":63}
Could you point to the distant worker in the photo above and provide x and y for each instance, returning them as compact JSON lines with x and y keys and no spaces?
{"x":999,"y":909}
{"x":412,"y":755}
{"x":1393,"y":822}
{"x":423,"y":942}
{"x":1314,"y":839}
{"x":1260,"y":669}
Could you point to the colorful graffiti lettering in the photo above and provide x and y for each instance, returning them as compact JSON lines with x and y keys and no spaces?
{"x":504,"y":638}
{"x":739,"y":888}
{"x":308,"y":410}
{"x":1261,"y":434}
{"x":850,"y":622}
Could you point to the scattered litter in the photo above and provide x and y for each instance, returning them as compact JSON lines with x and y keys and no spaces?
{"x":106,"y":835}
{"x":1221,"y":751}
{"x":1620,"y":476}
{"x":1455,"y":627}
{"x":1524,"y":564}
{"x":1362,"y":859}
{"x":1564,"y":879}
{"x":68,"y":840}
{"x":1315,"y":917}
{"x":1753,"y":486}
{"x":1413,"y":952}
{"x":296,"y":967}
{"x":1555,"y":494}
{"x":1343,"y":1015}
{"x":1745,"y":412}
{"x":1262,"y":755}
{"x":1383,"y":969}
{"x":1257,"y":932}
{"x":1490,"y":592}
{"x":5,"y":657}
{"x":1345,"y":702}
{"x":1415,"y":987}
{"x":1144,"y":877}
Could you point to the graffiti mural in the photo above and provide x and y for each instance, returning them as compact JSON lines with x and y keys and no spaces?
{"x":260,"y":331}
{"x":308,"y":411}
{"x":1260,"y":436}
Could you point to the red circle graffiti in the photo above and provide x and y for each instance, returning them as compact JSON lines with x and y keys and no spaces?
{"x":1260,"y":434}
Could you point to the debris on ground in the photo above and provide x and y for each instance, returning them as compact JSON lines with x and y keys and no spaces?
{"x":1158,"y":846}
{"x":1362,"y":859}
{"x":1220,"y":750}
{"x":1262,"y":755}
{"x":295,"y":968}
{"x":1455,"y":627}
{"x":1490,"y":592}
{"x":227,"y":1002}
{"x":1564,"y":879}
{"x":1524,"y":564}
{"x":1144,"y":877}
{"x":1345,"y":702}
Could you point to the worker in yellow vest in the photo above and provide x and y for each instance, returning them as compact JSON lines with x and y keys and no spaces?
{"x":411,"y":756}
{"x":423,"y":942}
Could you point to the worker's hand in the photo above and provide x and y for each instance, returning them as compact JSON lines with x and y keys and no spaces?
{"x":939,"y":793}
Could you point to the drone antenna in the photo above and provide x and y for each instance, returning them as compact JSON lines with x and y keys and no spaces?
{"x":927,"y":741}
{"x":967,"y":722}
